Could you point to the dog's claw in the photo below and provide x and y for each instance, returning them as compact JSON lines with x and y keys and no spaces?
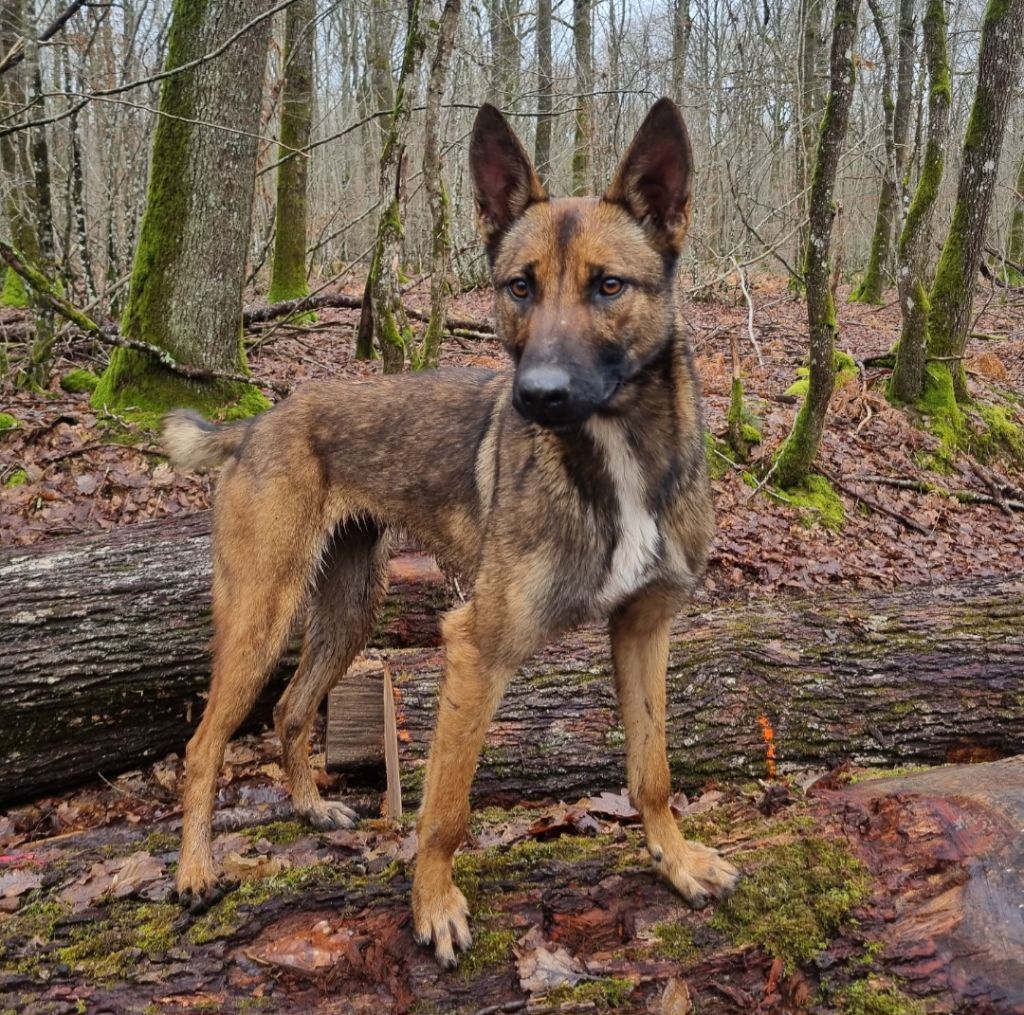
{"x":198,"y":900}
{"x":445,"y":922}
{"x":330,"y":816}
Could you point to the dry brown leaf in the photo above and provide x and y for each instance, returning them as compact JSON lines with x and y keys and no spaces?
{"x":541,"y":969}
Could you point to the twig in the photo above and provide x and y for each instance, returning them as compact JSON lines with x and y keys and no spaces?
{"x":47,"y":295}
{"x":874,"y":505}
{"x":750,"y":311}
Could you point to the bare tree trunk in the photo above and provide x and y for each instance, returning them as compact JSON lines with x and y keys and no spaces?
{"x":545,"y":89}
{"x":1015,"y":232}
{"x":801,"y":447}
{"x":390,"y":322}
{"x":952,"y":292}
{"x":682,"y":26}
{"x":871,"y":285}
{"x":582,"y":182}
{"x":915,"y":242}
{"x":288,"y":271}
{"x":503,"y":18}
{"x":189,"y":265}
{"x":433,"y":179}
{"x":810,"y":106}
{"x":904,"y":102}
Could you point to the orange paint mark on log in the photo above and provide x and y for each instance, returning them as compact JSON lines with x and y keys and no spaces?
{"x":768,"y":735}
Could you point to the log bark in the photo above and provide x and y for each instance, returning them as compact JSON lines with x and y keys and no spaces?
{"x":106,"y":664}
{"x":105,"y":644}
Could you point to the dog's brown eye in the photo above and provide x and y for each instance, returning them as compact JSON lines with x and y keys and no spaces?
{"x":611,"y":286}
{"x":519,"y":288}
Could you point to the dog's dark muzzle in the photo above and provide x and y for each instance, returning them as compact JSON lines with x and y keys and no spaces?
{"x":554,"y":395}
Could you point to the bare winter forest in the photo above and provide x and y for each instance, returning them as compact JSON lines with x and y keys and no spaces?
{"x":208,"y":203}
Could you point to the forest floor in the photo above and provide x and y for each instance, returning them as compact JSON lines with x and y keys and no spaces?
{"x":568,"y":917}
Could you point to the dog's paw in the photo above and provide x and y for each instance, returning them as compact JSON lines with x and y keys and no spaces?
{"x":198,"y":891}
{"x":697,"y":872}
{"x":442,"y":918}
{"x":329,"y":816}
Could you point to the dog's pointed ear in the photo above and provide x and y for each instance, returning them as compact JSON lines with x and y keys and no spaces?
{"x":654,"y":179}
{"x":504,"y":181}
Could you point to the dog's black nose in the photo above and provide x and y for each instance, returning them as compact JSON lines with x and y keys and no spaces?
{"x":543,"y":389}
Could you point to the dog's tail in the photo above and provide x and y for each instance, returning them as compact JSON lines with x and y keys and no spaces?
{"x":192,"y":442}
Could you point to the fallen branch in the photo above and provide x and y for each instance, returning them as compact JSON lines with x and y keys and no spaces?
{"x":46,"y":294}
{"x":880,"y":509}
{"x":920,"y":486}
{"x":286,"y":308}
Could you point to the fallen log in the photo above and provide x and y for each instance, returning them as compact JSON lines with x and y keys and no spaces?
{"x":106,"y":664}
{"x":105,"y":647}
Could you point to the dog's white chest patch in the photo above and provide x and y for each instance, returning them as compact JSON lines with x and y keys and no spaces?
{"x":636,"y":549}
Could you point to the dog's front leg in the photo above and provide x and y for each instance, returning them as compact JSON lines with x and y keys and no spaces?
{"x":640,"y":638}
{"x":470,"y":692}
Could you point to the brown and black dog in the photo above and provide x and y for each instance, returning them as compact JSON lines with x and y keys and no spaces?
{"x":572,"y":489}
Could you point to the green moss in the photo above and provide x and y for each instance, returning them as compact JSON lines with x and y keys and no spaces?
{"x":606,"y":994}
{"x":864,"y":998}
{"x":17,"y":478}
{"x":8,"y":422}
{"x":473,"y":870}
{"x":14,"y":294}
{"x":1002,"y":436}
{"x":106,"y":949}
{"x":142,"y":392}
{"x":675,"y":940}
{"x":79,"y":381}
{"x":798,"y":389}
{"x":900,"y":771}
{"x":718,"y":454}
{"x":492,"y":946}
{"x":35,"y":921}
{"x":793,"y":898}
{"x":818,"y":495}
{"x":160,"y":842}
{"x":280,"y":833}
{"x":224,"y":918}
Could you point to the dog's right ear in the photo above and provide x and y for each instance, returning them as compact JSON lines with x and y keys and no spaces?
{"x":504,"y":181}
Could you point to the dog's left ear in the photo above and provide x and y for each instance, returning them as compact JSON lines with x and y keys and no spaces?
{"x":504,"y":181}
{"x":654,"y":178}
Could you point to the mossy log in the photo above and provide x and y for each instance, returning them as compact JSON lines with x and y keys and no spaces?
{"x":106,"y":650}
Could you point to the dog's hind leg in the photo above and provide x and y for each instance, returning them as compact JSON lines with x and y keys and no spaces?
{"x":350,"y":586}
{"x":640,"y":639}
{"x":259,"y":584}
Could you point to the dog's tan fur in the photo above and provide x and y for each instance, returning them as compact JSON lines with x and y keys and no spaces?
{"x":607,"y":517}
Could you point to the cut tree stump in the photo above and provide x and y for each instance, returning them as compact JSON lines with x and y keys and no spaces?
{"x":946,"y":849}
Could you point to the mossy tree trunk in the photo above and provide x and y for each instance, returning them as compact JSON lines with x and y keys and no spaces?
{"x":915,"y":240}
{"x":905,"y":65}
{"x":545,"y":93}
{"x":952,"y":292}
{"x":801,"y":447}
{"x":391,"y":326}
{"x":20,"y":194}
{"x":37,"y":367}
{"x":1015,"y":237}
{"x":871,"y":285}
{"x":189,"y":264}
{"x":433,"y":179}
{"x":288,"y":271}
{"x":583,"y":139}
